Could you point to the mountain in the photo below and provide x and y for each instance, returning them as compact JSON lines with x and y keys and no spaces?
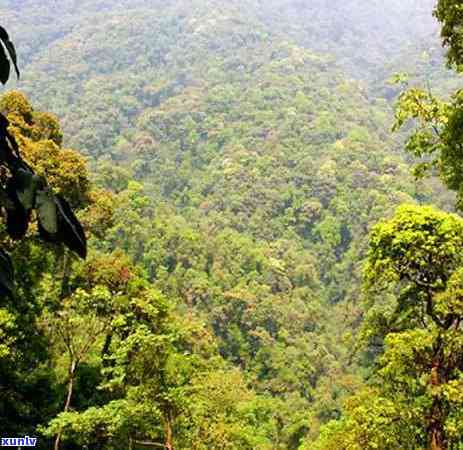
{"x":131,"y":46}
{"x":248,"y":146}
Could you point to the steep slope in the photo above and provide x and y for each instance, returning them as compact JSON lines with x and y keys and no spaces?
{"x":264,"y":159}
{"x":103,"y":55}
{"x":362,"y":36}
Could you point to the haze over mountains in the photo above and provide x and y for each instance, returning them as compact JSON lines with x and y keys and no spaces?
{"x":128,"y":46}
{"x":248,"y":147}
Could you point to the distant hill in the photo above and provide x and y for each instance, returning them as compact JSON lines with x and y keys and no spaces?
{"x":263,"y":128}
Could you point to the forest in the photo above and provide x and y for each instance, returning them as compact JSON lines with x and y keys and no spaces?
{"x":256,"y":226}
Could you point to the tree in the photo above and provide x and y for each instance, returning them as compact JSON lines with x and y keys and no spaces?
{"x":439,"y":132}
{"x":417,"y":252}
{"x":22,"y":191}
{"x":450,"y":14}
{"x":35,"y":183}
{"x":164,"y":385}
{"x":414,"y":276}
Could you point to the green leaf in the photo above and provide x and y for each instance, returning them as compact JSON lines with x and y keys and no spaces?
{"x":25,"y":183}
{"x":17,"y":217}
{"x":17,"y":221}
{"x":9,"y":149}
{"x":70,"y":230}
{"x":10,"y":48}
{"x":4,"y":66}
{"x":6,"y":272}
{"x":47,"y":211}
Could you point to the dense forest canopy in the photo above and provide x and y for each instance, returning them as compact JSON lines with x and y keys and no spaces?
{"x":250,"y":282}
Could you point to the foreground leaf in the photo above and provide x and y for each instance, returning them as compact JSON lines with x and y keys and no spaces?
{"x":17,"y":222}
{"x":47,"y":211}
{"x":71,"y":232}
{"x":4,"y":66}
{"x":6,"y":273}
{"x":10,"y":48}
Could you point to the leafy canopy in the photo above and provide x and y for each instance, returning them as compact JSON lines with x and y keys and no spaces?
{"x":22,"y":191}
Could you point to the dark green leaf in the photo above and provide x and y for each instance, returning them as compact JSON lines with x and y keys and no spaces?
{"x":6,"y":273}
{"x":17,"y":217}
{"x":4,"y":123}
{"x":70,"y":230}
{"x":4,"y":66}
{"x":8,"y":144}
{"x":17,"y":221}
{"x":3,"y":34}
{"x":5,"y":151}
{"x":25,"y":183}
{"x":10,"y":47}
{"x":12,"y":52}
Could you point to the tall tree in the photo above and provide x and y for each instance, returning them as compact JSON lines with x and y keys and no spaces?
{"x":414,"y":276}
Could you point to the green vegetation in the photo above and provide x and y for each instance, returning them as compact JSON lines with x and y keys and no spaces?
{"x":252,"y":281}
{"x":413,"y":278}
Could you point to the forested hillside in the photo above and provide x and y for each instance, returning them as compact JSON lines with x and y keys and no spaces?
{"x":236,"y":157}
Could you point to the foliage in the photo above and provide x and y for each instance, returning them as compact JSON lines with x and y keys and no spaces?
{"x":236,"y":164}
{"x":416,"y":401}
{"x":413,"y":277}
{"x":450,"y":14}
{"x":22,"y":191}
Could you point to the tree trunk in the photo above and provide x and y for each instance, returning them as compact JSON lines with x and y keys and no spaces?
{"x":169,"y":433}
{"x":67,"y":404}
{"x":437,"y":442}
{"x":436,"y":433}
